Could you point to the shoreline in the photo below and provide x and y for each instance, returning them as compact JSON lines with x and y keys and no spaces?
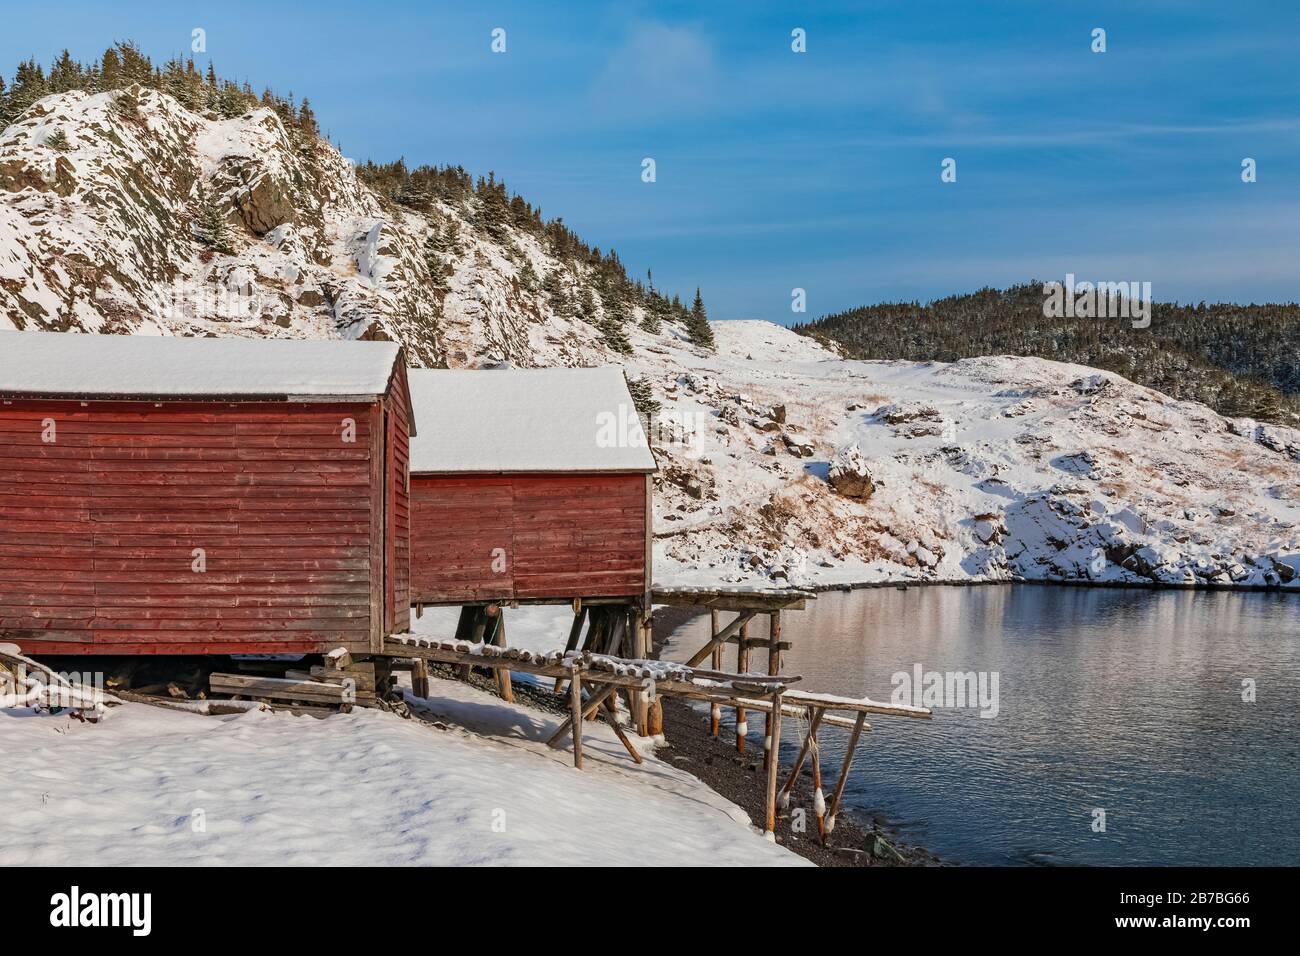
{"x":904,"y":584}
{"x":689,"y":746}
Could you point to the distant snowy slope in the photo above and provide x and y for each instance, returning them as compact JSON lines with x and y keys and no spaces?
{"x":992,"y":468}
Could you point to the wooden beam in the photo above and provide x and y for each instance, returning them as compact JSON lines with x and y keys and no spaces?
{"x":721,"y":638}
{"x":593,"y":703}
{"x":611,"y":714}
{"x":734,"y":599}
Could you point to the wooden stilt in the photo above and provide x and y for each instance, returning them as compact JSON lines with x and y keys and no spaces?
{"x":590,"y":707}
{"x":465,"y":632}
{"x":656,"y":718}
{"x":575,"y":716}
{"x":611,"y":713}
{"x":814,"y":720}
{"x":742,"y":667}
{"x":773,"y":668}
{"x":575,"y":632}
{"x":505,"y":684}
{"x":844,"y":774}
{"x":420,"y":677}
{"x":715,"y":709}
{"x":639,"y":620}
{"x":772,"y":767}
{"x":819,"y":801}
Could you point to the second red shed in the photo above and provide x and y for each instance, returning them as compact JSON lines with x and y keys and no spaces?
{"x":528,"y":485}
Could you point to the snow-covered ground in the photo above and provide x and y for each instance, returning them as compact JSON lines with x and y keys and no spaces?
{"x":153,"y":786}
{"x":993,"y":468}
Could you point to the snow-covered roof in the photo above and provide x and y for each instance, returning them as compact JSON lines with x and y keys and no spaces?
{"x":69,"y":364}
{"x":526,"y":420}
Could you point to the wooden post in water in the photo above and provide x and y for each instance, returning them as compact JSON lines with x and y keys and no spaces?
{"x":844,"y":775}
{"x":715,"y":709}
{"x":773,"y":668}
{"x":819,"y":801}
{"x":742,"y":667}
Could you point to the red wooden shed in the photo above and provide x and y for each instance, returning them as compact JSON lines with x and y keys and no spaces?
{"x":528,"y":485}
{"x":202,"y":496}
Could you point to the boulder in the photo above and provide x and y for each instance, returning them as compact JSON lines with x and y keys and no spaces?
{"x":849,"y":474}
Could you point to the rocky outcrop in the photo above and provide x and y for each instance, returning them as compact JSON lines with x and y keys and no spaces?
{"x":849,"y":474}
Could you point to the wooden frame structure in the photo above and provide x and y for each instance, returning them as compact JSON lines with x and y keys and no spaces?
{"x":604,"y":675}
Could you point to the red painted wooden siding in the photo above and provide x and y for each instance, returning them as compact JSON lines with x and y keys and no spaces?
{"x":563,"y":536}
{"x":397,"y":573}
{"x":98,"y":529}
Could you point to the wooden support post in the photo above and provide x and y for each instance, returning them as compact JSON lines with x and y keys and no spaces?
{"x":773,"y":668}
{"x":844,"y":775}
{"x":575,"y":632}
{"x":742,"y":667}
{"x":656,"y":718}
{"x":814,"y":719}
{"x":575,"y":715}
{"x":590,"y":707}
{"x":772,"y":767}
{"x":640,"y":620}
{"x":819,"y":801}
{"x":465,"y":632}
{"x":505,"y":684}
{"x":419,"y":610}
{"x":715,"y":709}
{"x":724,"y":635}
{"x":420,"y":677}
{"x":611,"y":714}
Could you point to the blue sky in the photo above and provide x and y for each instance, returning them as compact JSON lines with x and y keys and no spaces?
{"x":819,"y":170}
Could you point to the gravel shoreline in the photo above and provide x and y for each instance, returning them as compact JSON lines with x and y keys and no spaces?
{"x":740,"y":778}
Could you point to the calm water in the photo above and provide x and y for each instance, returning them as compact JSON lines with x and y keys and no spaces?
{"x":1129,"y":701}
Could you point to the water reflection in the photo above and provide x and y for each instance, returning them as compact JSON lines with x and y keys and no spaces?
{"x":1129,"y":701}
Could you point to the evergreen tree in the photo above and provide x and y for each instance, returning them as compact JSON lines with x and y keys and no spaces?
{"x":212,"y":230}
{"x":528,"y":276}
{"x":29,"y":86}
{"x":697,"y":324}
{"x":110,"y":70}
{"x":127,"y":103}
{"x":65,"y":74}
{"x":434,"y":262}
{"x":642,"y":397}
{"x":611,"y":326}
{"x":58,"y":141}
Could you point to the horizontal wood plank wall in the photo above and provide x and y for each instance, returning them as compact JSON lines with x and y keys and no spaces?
{"x":459,"y":527}
{"x":98,"y":529}
{"x":566,"y":536}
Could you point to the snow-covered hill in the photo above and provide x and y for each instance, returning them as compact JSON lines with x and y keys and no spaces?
{"x":99,"y":232}
{"x":990,"y":468}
